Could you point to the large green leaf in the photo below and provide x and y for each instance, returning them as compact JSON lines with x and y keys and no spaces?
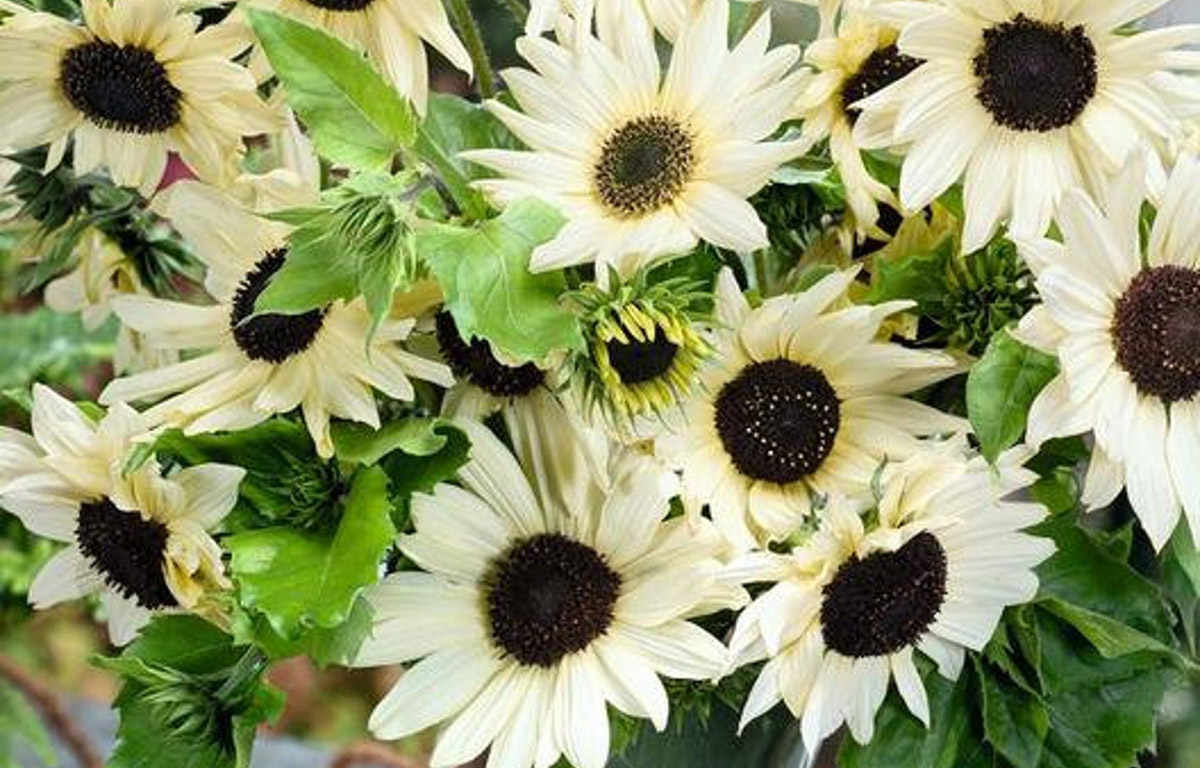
{"x":484,"y":272}
{"x":1102,"y":711}
{"x":1015,"y":721}
{"x":301,"y":580}
{"x":323,"y":646}
{"x":1000,"y":389}
{"x":353,"y":116}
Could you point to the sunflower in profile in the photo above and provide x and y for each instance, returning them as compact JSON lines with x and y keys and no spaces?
{"x":798,"y":399}
{"x":392,"y":32}
{"x":847,"y":611}
{"x":140,"y":540}
{"x":135,"y":82}
{"x":644,"y":166}
{"x":527,"y":621}
{"x":1025,"y":100}
{"x":1125,"y":327}
{"x":861,"y":60}
{"x":255,"y":365}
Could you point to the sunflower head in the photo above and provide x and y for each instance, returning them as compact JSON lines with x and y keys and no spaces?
{"x":985,"y":292}
{"x":643,"y":346}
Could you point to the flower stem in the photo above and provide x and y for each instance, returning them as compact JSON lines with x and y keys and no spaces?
{"x":469,"y":29}
{"x":519,"y":10}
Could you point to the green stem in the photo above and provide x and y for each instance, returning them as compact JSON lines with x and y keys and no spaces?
{"x":474,"y":42}
{"x":243,"y":678}
{"x":469,"y":200}
{"x":760,"y":270}
{"x":519,"y":10}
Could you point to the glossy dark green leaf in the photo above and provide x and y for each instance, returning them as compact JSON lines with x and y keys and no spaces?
{"x":1015,"y":721}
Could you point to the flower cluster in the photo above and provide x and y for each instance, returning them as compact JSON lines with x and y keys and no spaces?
{"x":689,"y":355}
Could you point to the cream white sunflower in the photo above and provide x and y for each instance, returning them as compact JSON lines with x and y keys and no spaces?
{"x":846,"y":611}
{"x":103,"y":271}
{"x":140,"y":540}
{"x":643,"y":165}
{"x":392,"y":32}
{"x":1125,"y":327}
{"x":253,"y":367}
{"x":1023,"y":100}
{"x":800,"y":398}
{"x":133,"y":83}
{"x":860,"y":60}
{"x":528,"y":619}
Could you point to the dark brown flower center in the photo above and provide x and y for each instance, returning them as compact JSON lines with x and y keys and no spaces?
{"x":271,"y":338}
{"x":640,"y":361}
{"x":884,"y":602}
{"x":1035,"y":76}
{"x":550,"y":596}
{"x":120,"y":87}
{"x":1156,"y":331}
{"x":474,"y":362}
{"x":127,"y":550}
{"x":778,"y":420}
{"x":344,"y":6}
{"x":644,"y":165}
{"x":882,"y":68}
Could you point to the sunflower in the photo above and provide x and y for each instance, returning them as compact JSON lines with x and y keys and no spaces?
{"x":134,"y":83}
{"x":392,"y":33}
{"x":644,"y":348}
{"x":529,"y":619}
{"x":798,"y":399}
{"x":862,"y":59}
{"x":644,"y":166}
{"x":103,"y":271}
{"x":846,"y":611}
{"x":140,"y":540}
{"x":254,"y":366}
{"x":1026,"y":99}
{"x":1125,"y":327}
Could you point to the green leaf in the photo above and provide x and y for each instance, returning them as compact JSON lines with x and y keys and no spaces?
{"x":1000,"y":389}
{"x":188,"y":693}
{"x":920,"y":277}
{"x":1181,"y":580}
{"x":301,"y":580}
{"x":21,"y":727}
{"x":186,"y":643}
{"x":353,"y":116}
{"x":1102,"y":711}
{"x":412,"y":473}
{"x":1014,"y":720}
{"x":313,"y":275}
{"x":457,"y":125}
{"x":1082,"y":573}
{"x":489,"y":289}
{"x":952,"y":740}
{"x":1110,"y":637}
{"x":361,"y":444}
{"x":285,"y":483}
{"x":323,"y":646}
{"x":771,"y":740}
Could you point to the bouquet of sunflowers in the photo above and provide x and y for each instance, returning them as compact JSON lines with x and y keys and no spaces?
{"x":758,"y":385}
